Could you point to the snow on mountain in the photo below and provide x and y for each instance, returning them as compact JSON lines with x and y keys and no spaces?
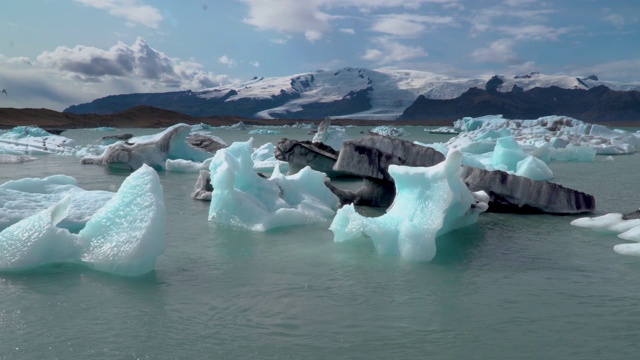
{"x":389,"y":91}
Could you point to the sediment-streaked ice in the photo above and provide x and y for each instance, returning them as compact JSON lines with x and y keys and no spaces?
{"x":26,"y":140}
{"x":430,"y":201}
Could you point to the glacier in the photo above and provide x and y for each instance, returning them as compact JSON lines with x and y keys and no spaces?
{"x":430,"y":201}
{"x":124,"y":237}
{"x":242,"y":198}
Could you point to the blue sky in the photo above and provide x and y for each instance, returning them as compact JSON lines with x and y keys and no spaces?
{"x":56,"y":53}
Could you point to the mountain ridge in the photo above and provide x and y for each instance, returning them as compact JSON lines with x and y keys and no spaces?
{"x":353,"y":93}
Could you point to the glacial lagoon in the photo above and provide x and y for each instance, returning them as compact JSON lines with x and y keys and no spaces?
{"x":509,"y":286}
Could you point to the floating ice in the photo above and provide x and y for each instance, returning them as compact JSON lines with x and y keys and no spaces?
{"x":15,"y":159}
{"x":127,"y":234}
{"x":264,"y":132}
{"x":627,"y":228}
{"x":22,"y":198}
{"x":534,"y":169}
{"x":123,"y":237}
{"x":25,"y":140}
{"x":153,"y":150}
{"x":330,"y":136}
{"x":242,"y":198}
{"x":264,"y":159}
{"x":560,"y":131}
{"x":388,"y":131}
{"x":36,"y":241}
{"x":430,"y":202}
{"x":186,"y":166}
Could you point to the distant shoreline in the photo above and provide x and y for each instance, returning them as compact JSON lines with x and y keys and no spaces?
{"x":151,"y":117}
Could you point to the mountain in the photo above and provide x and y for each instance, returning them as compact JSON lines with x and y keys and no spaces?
{"x":354,"y":93}
{"x":598,"y":104}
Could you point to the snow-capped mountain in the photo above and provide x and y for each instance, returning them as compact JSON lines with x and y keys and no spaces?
{"x":349,"y":93}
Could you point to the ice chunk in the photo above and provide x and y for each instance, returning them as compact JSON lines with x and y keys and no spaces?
{"x":22,"y":198}
{"x":127,"y":234}
{"x":264,"y":159}
{"x":242,"y":198}
{"x":152,"y":150}
{"x":507,"y":154}
{"x":264,"y":132}
{"x":626,"y":228}
{"x":15,"y":159}
{"x":388,"y":131}
{"x":534,"y":169}
{"x":186,"y":166}
{"x":36,"y":241}
{"x":25,"y":140}
{"x":430,"y":202}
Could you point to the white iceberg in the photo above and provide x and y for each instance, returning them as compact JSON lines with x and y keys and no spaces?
{"x":430,"y":202}
{"x":242,"y":198}
{"x":153,"y":150}
{"x":26,"y":140}
{"x":626,"y":229}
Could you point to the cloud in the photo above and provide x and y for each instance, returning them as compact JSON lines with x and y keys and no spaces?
{"x":534,"y":32}
{"x":616,"y":20}
{"x":225,"y":60}
{"x":408,"y":25}
{"x":288,"y":16}
{"x":610,"y":71}
{"x":349,"y":31}
{"x":388,"y":51}
{"x":254,"y":63}
{"x":499,"y":51}
{"x":137,"y":62}
{"x":131,"y":10}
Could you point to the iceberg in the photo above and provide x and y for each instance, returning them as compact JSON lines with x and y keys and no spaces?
{"x":20,"y":199}
{"x":388,"y":131}
{"x":430,"y":202}
{"x":124,"y":237}
{"x":627,"y":227}
{"x":26,"y":140}
{"x":153,"y":150}
{"x":240,"y":197}
{"x":127,"y":234}
{"x":560,"y":131}
{"x":264,"y":159}
{"x":36,"y":241}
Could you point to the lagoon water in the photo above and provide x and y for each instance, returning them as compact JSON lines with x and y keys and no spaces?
{"x":508,"y":287}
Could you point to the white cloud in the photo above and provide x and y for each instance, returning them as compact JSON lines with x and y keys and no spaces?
{"x":610,"y":71}
{"x":499,"y":51}
{"x":288,"y":16}
{"x":534,"y":32}
{"x":225,"y":60}
{"x":137,"y":62}
{"x":616,"y":20}
{"x":388,"y":51}
{"x":131,"y":10}
{"x":254,"y":63}
{"x":279,"y":41}
{"x":408,"y":25}
{"x":349,"y":31}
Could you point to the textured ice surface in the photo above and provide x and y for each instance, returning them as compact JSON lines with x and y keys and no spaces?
{"x":264,"y":159}
{"x":615,"y":223}
{"x":388,"y":131}
{"x":127,"y":234}
{"x":124,"y":237}
{"x":15,"y":159}
{"x":36,"y":241}
{"x":560,"y":131}
{"x":25,"y":140}
{"x":331,"y":136}
{"x":534,"y":169}
{"x":242,"y":198}
{"x":153,"y":150}
{"x":186,"y":166}
{"x":430,"y":202}
{"x":22,"y":198}
{"x":263,"y":132}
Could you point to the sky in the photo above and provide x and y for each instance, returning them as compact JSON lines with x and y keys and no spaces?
{"x":57,"y":53}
